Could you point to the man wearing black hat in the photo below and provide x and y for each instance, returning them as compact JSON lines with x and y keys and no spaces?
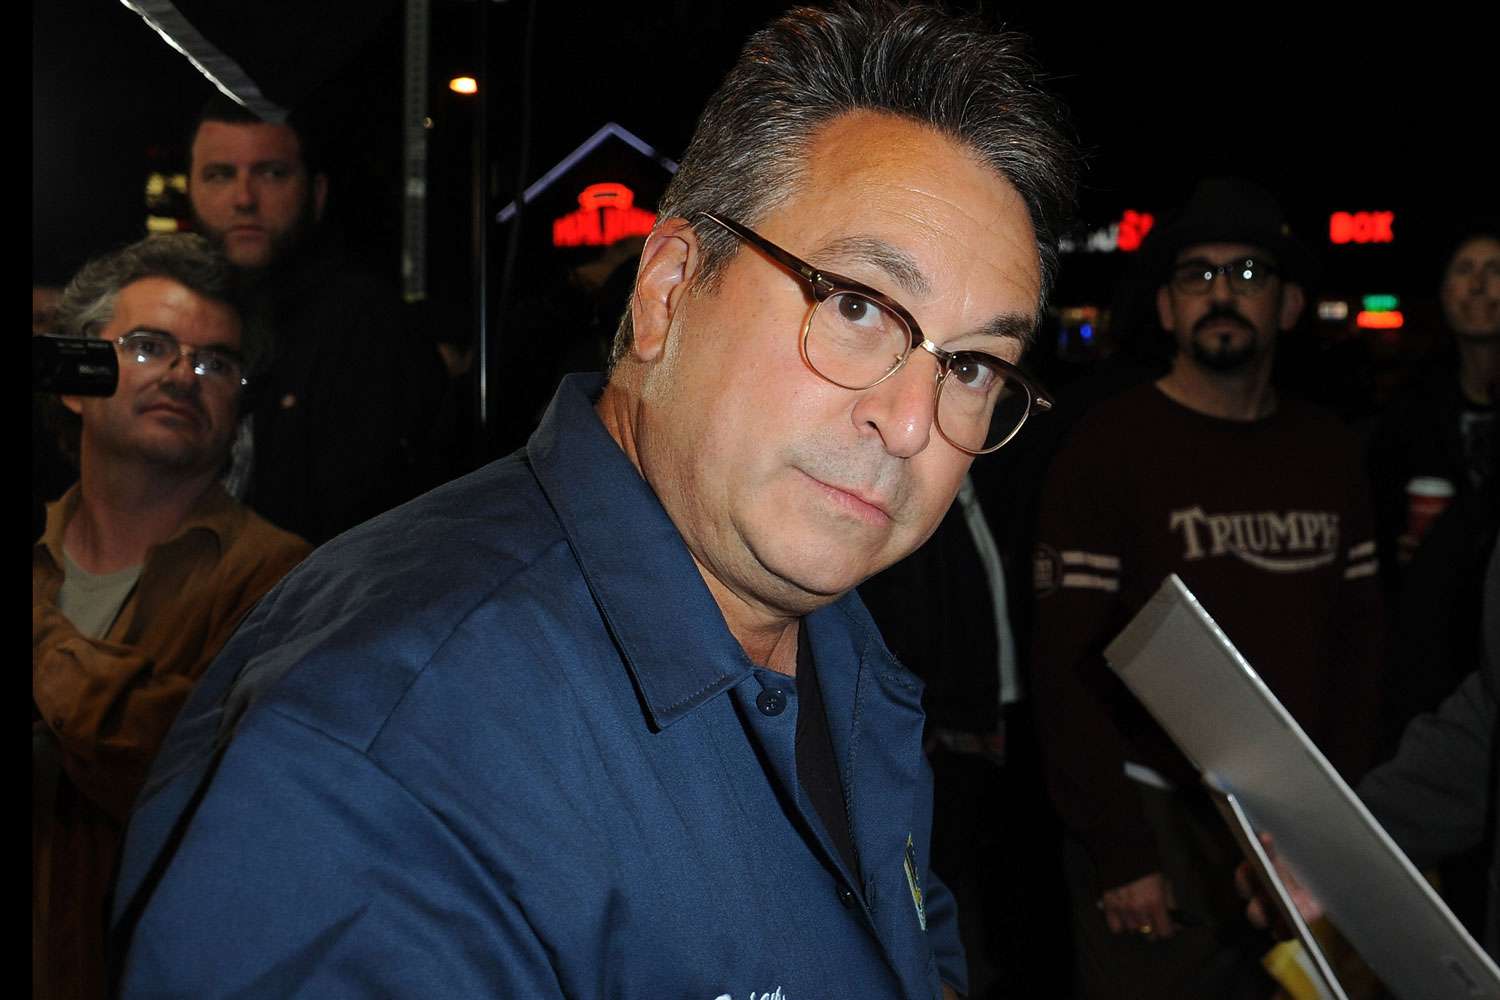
{"x":1256,"y":502}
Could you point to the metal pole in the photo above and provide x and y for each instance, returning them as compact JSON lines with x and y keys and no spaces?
{"x":486,"y":352}
{"x":414,"y":165}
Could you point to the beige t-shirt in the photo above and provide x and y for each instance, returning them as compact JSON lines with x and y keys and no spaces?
{"x":92,"y":601}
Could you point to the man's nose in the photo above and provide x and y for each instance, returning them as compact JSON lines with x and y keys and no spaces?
{"x":900,"y":410}
{"x":244,"y":192}
{"x":178,"y":375}
{"x":1219,"y":290}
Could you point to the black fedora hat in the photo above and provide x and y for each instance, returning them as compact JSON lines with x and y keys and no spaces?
{"x":1230,"y":210}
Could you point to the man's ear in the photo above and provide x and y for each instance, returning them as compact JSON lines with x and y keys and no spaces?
{"x":1164,"y":309}
{"x":1292,"y":301}
{"x":319,"y":195}
{"x":668,"y":262}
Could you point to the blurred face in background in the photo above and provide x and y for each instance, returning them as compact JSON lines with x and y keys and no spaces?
{"x":250,"y":190}
{"x":1471,"y":289}
{"x":1219,"y":328}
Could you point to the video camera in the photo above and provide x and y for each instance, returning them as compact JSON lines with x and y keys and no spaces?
{"x":74,"y":366}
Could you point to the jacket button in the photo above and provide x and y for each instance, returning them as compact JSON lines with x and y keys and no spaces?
{"x":846,"y":896}
{"x":771,"y":701}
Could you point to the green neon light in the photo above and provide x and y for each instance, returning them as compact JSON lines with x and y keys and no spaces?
{"x":1381,"y":303}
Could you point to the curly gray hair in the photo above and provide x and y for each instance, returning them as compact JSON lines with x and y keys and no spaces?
{"x":88,"y":303}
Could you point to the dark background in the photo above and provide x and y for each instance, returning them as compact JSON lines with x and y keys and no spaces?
{"x":1351,"y":112}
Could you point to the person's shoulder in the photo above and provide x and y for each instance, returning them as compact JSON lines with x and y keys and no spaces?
{"x":326,"y":285}
{"x":325,"y":261}
{"x":1413,"y":415}
{"x":348,"y":631}
{"x":255,"y":535}
{"x":1112,"y":426}
{"x":1314,"y":423}
{"x":462,"y":537}
{"x":1132,"y":402}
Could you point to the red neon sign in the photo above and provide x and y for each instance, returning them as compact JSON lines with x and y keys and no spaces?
{"x":1362,"y":227}
{"x":1133,"y":228}
{"x":1386,"y":320}
{"x":606,"y":215}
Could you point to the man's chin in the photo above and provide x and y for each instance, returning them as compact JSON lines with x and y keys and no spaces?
{"x":1476,"y":331}
{"x":813,"y":576}
{"x":1224,"y":359}
{"x":180,"y":455}
{"x":249,"y":256}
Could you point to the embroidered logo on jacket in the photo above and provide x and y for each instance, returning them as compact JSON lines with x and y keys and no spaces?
{"x":1290,"y":542}
{"x":775,"y":994}
{"x":909,"y":859}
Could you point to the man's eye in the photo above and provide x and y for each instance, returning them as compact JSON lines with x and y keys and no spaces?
{"x":150,"y":347}
{"x":211,"y":364}
{"x":853,"y":309}
{"x":274,"y":171}
{"x":974,"y":374}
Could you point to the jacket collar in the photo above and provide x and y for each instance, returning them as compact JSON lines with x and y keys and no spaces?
{"x":670,"y":632}
{"x":215,"y":512}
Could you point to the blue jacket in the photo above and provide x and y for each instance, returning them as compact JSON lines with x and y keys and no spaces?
{"x":500,"y":742}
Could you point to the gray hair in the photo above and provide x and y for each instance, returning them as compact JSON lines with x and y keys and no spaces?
{"x":88,"y":303}
{"x":954,"y":74}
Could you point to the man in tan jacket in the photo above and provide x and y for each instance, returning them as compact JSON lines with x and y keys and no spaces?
{"x":145,"y":568}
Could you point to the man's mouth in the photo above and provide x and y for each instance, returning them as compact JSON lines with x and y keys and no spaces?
{"x":1221,"y":325}
{"x":181,"y":411}
{"x":864,"y":504}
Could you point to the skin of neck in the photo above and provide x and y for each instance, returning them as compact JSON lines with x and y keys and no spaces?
{"x":1243,"y":395}
{"x":1479,"y":368}
{"x":767,"y":634}
{"x":127,"y":508}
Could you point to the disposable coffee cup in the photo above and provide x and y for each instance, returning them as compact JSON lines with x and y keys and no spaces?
{"x":1426,"y":498}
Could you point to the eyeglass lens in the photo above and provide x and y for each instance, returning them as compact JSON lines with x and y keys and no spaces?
{"x":855,"y":342}
{"x":157,"y":348}
{"x":1197,"y":277}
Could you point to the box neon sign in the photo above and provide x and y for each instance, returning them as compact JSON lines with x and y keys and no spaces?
{"x":606,"y":214}
{"x":1362,"y":227}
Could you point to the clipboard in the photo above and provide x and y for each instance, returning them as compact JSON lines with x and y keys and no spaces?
{"x":1270,"y":880}
{"x":1246,"y":745}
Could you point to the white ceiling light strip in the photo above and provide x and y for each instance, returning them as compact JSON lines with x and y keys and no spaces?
{"x":220,"y":70}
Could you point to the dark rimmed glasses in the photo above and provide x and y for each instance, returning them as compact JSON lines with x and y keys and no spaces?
{"x":155,"y":349}
{"x":1246,"y":276}
{"x":857,"y":337}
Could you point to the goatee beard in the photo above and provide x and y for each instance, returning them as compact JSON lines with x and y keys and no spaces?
{"x":1217,"y":353}
{"x":1223,"y":357}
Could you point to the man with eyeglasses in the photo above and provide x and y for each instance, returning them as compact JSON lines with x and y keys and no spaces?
{"x":1257,"y":502}
{"x":603,"y":719}
{"x":145,"y":568}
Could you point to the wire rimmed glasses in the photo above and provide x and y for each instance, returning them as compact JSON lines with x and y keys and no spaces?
{"x":157,"y":349}
{"x":856,"y":337}
{"x":1246,"y":275}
